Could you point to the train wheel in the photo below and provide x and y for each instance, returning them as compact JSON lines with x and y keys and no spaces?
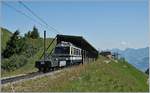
{"x":49,"y":69}
{"x":40,"y":69}
{"x":45,"y":70}
{"x":52,"y":68}
{"x":56,"y":68}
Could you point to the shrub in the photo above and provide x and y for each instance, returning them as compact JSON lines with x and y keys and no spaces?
{"x":30,"y":51}
{"x":14,"y":62}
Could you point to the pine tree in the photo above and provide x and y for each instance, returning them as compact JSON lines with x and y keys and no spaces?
{"x":35,"y":33}
{"x":28,"y":35}
{"x":14,"y":46}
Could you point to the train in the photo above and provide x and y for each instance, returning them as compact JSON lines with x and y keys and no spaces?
{"x":64,"y":54}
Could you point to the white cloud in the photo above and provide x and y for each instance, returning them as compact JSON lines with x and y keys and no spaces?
{"x":123,"y":43}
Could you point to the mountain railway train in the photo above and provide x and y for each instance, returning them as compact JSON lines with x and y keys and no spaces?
{"x":64,"y":54}
{"x":69,"y":50}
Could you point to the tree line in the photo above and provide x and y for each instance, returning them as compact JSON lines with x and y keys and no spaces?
{"x":17,"y":44}
{"x":18,"y":50}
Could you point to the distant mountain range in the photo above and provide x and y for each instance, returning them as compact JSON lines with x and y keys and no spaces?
{"x":137,"y":57}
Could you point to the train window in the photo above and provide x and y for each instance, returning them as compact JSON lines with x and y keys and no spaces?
{"x":71,"y":50}
{"x":80,"y":52}
{"x":77,"y":51}
{"x":74,"y":51}
{"x":62,"y":50}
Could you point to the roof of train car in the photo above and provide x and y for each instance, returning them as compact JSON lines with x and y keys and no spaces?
{"x":78,"y":41}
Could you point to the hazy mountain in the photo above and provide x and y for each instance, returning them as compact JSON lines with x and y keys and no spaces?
{"x":137,"y":57}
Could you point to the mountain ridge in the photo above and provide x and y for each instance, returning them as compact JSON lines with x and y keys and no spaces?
{"x":137,"y":57}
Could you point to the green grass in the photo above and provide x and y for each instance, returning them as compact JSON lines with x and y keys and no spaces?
{"x":93,"y":77}
{"x":5,"y":36}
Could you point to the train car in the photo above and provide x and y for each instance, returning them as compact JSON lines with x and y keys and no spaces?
{"x":64,"y":54}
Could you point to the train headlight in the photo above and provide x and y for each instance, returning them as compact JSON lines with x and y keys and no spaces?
{"x":66,"y":58}
{"x":56,"y":59}
{"x":42,"y":63}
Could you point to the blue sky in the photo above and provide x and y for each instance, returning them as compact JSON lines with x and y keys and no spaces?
{"x":105,"y":24}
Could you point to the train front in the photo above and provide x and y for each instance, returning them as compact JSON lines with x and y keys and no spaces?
{"x":62,"y":54}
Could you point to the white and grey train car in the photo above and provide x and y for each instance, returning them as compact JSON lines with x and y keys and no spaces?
{"x":66,"y":54}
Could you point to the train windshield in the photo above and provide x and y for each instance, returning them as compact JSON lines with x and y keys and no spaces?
{"x":62,"y":50}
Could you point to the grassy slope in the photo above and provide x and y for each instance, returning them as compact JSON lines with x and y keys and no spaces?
{"x":29,"y":67}
{"x":95,"y":76}
{"x":5,"y":36}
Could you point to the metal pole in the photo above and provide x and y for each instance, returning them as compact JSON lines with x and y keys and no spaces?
{"x":44,"y":44}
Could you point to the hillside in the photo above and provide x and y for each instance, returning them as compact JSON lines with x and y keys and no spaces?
{"x":137,"y":57}
{"x":29,"y":67}
{"x":29,"y":56}
{"x":104,"y":75}
{"x":5,"y":36}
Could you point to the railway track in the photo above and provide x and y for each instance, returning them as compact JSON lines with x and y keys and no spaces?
{"x":29,"y":76}
{"x":32,"y":75}
{"x":17,"y":78}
